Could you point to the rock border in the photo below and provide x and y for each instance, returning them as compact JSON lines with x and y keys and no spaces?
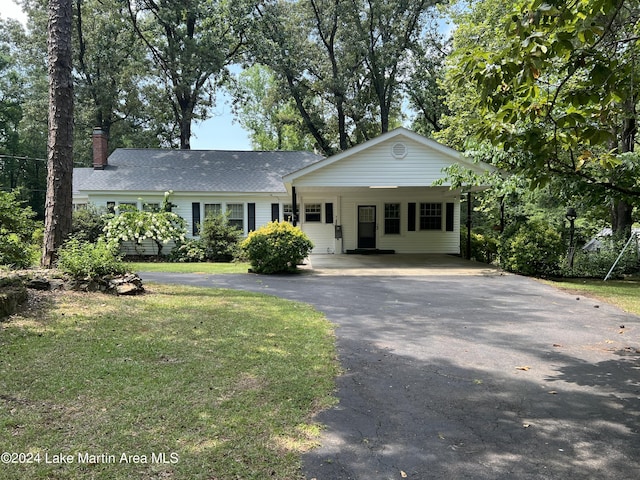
{"x":15,"y":285}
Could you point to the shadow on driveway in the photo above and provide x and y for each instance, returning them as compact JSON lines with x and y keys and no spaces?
{"x":482,"y":377}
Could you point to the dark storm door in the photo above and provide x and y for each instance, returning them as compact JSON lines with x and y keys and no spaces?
{"x":366,"y":226}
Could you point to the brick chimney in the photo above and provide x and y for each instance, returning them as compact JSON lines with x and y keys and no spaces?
{"x":100,"y":145}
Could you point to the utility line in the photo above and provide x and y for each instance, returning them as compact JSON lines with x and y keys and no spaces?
{"x":15,"y":157}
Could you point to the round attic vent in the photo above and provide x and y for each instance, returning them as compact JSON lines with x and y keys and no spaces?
{"x":399,"y":150}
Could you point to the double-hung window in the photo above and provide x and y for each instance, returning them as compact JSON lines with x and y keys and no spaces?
{"x":312,"y":212}
{"x":236,"y":215}
{"x":430,"y":216}
{"x":212,"y":209}
{"x":391,"y":218}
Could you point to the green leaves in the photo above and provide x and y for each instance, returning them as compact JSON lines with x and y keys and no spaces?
{"x":559,"y":83}
{"x":276,"y":247}
{"x":136,"y":226}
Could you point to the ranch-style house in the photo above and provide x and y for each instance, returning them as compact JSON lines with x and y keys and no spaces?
{"x":377,"y":196}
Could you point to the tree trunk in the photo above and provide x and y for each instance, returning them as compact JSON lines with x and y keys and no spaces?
{"x":621,"y":218}
{"x":621,"y":210}
{"x":185,"y":131}
{"x":58,"y":202}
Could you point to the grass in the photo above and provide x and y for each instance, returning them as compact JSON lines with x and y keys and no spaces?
{"x":223,"y":383}
{"x":204,"y":267}
{"x":622,"y":293}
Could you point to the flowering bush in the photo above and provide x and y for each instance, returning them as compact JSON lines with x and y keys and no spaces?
{"x":136,"y":226}
{"x":276,"y":247}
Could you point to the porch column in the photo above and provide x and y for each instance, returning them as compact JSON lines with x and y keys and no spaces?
{"x":294,"y":199}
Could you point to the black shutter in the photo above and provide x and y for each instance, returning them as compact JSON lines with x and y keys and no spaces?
{"x":411,"y":223}
{"x":328,"y":212}
{"x":251,"y":210}
{"x":195,"y":218}
{"x":275,"y":212}
{"x":449,"y":219}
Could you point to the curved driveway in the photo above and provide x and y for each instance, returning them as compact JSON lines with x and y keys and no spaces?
{"x":476,"y":375}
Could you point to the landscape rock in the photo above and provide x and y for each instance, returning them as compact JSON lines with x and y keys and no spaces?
{"x":128,"y":284}
{"x":11,"y":297}
{"x":39,"y":283}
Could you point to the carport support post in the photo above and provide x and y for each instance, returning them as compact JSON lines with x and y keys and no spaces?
{"x":469,"y":210}
{"x":294,"y":220}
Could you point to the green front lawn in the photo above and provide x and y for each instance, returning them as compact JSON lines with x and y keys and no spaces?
{"x":203,"y":267}
{"x":180,"y":383}
{"x":622,"y":293}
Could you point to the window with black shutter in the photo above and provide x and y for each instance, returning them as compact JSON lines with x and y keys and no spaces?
{"x":449,"y":218}
{"x":411,"y":212}
{"x":251,"y":214}
{"x":328,"y":212}
{"x":195,"y":218}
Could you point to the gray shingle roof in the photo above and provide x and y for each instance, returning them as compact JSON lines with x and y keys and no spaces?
{"x":192,"y":171}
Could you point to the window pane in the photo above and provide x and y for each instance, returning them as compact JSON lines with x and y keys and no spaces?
{"x":391,"y":218}
{"x":128,"y":207}
{"x":287,"y":212}
{"x":430,"y":216}
{"x":236,"y":215}
{"x":366,"y":214}
{"x":312,"y":212}
{"x":212,"y":209}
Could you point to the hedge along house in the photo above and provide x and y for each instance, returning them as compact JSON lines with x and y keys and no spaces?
{"x":377,"y":196}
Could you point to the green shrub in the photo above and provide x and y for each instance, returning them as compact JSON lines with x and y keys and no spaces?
{"x":484,"y":246}
{"x":87,"y":225}
{"x":220,"y":239}
{"x":190,"y":250}
{"x":535,"y":248}
{"x":276,"y":247}
{"x":597,"y":264}
{"x":17,"y":229}
{"x":90,"y":260}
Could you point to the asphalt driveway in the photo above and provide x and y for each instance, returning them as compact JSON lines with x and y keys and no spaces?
{"x":479,"y":376}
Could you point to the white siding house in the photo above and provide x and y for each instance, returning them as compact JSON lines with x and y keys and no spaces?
{"x":379,"y":195}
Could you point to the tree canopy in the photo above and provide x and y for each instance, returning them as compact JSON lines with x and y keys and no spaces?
{"x":544,"y":90}
{"x":554,"y":86}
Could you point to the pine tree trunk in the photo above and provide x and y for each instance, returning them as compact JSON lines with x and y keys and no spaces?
{"x":58,"y":203}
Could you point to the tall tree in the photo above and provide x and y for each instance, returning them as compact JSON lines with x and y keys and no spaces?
{"x":23,"y":130}
{"x":388,"y":31}
{"x":190,"y":42}
{"x":58,"y":203}
{"x":425,"y":91}
{"x":270,"y":117}
{"x":342,"y":61}
{"x":280,"y":40}
{"x":557,"y":91}
{"x":112,"y":80}
{"x":11,"y":100}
